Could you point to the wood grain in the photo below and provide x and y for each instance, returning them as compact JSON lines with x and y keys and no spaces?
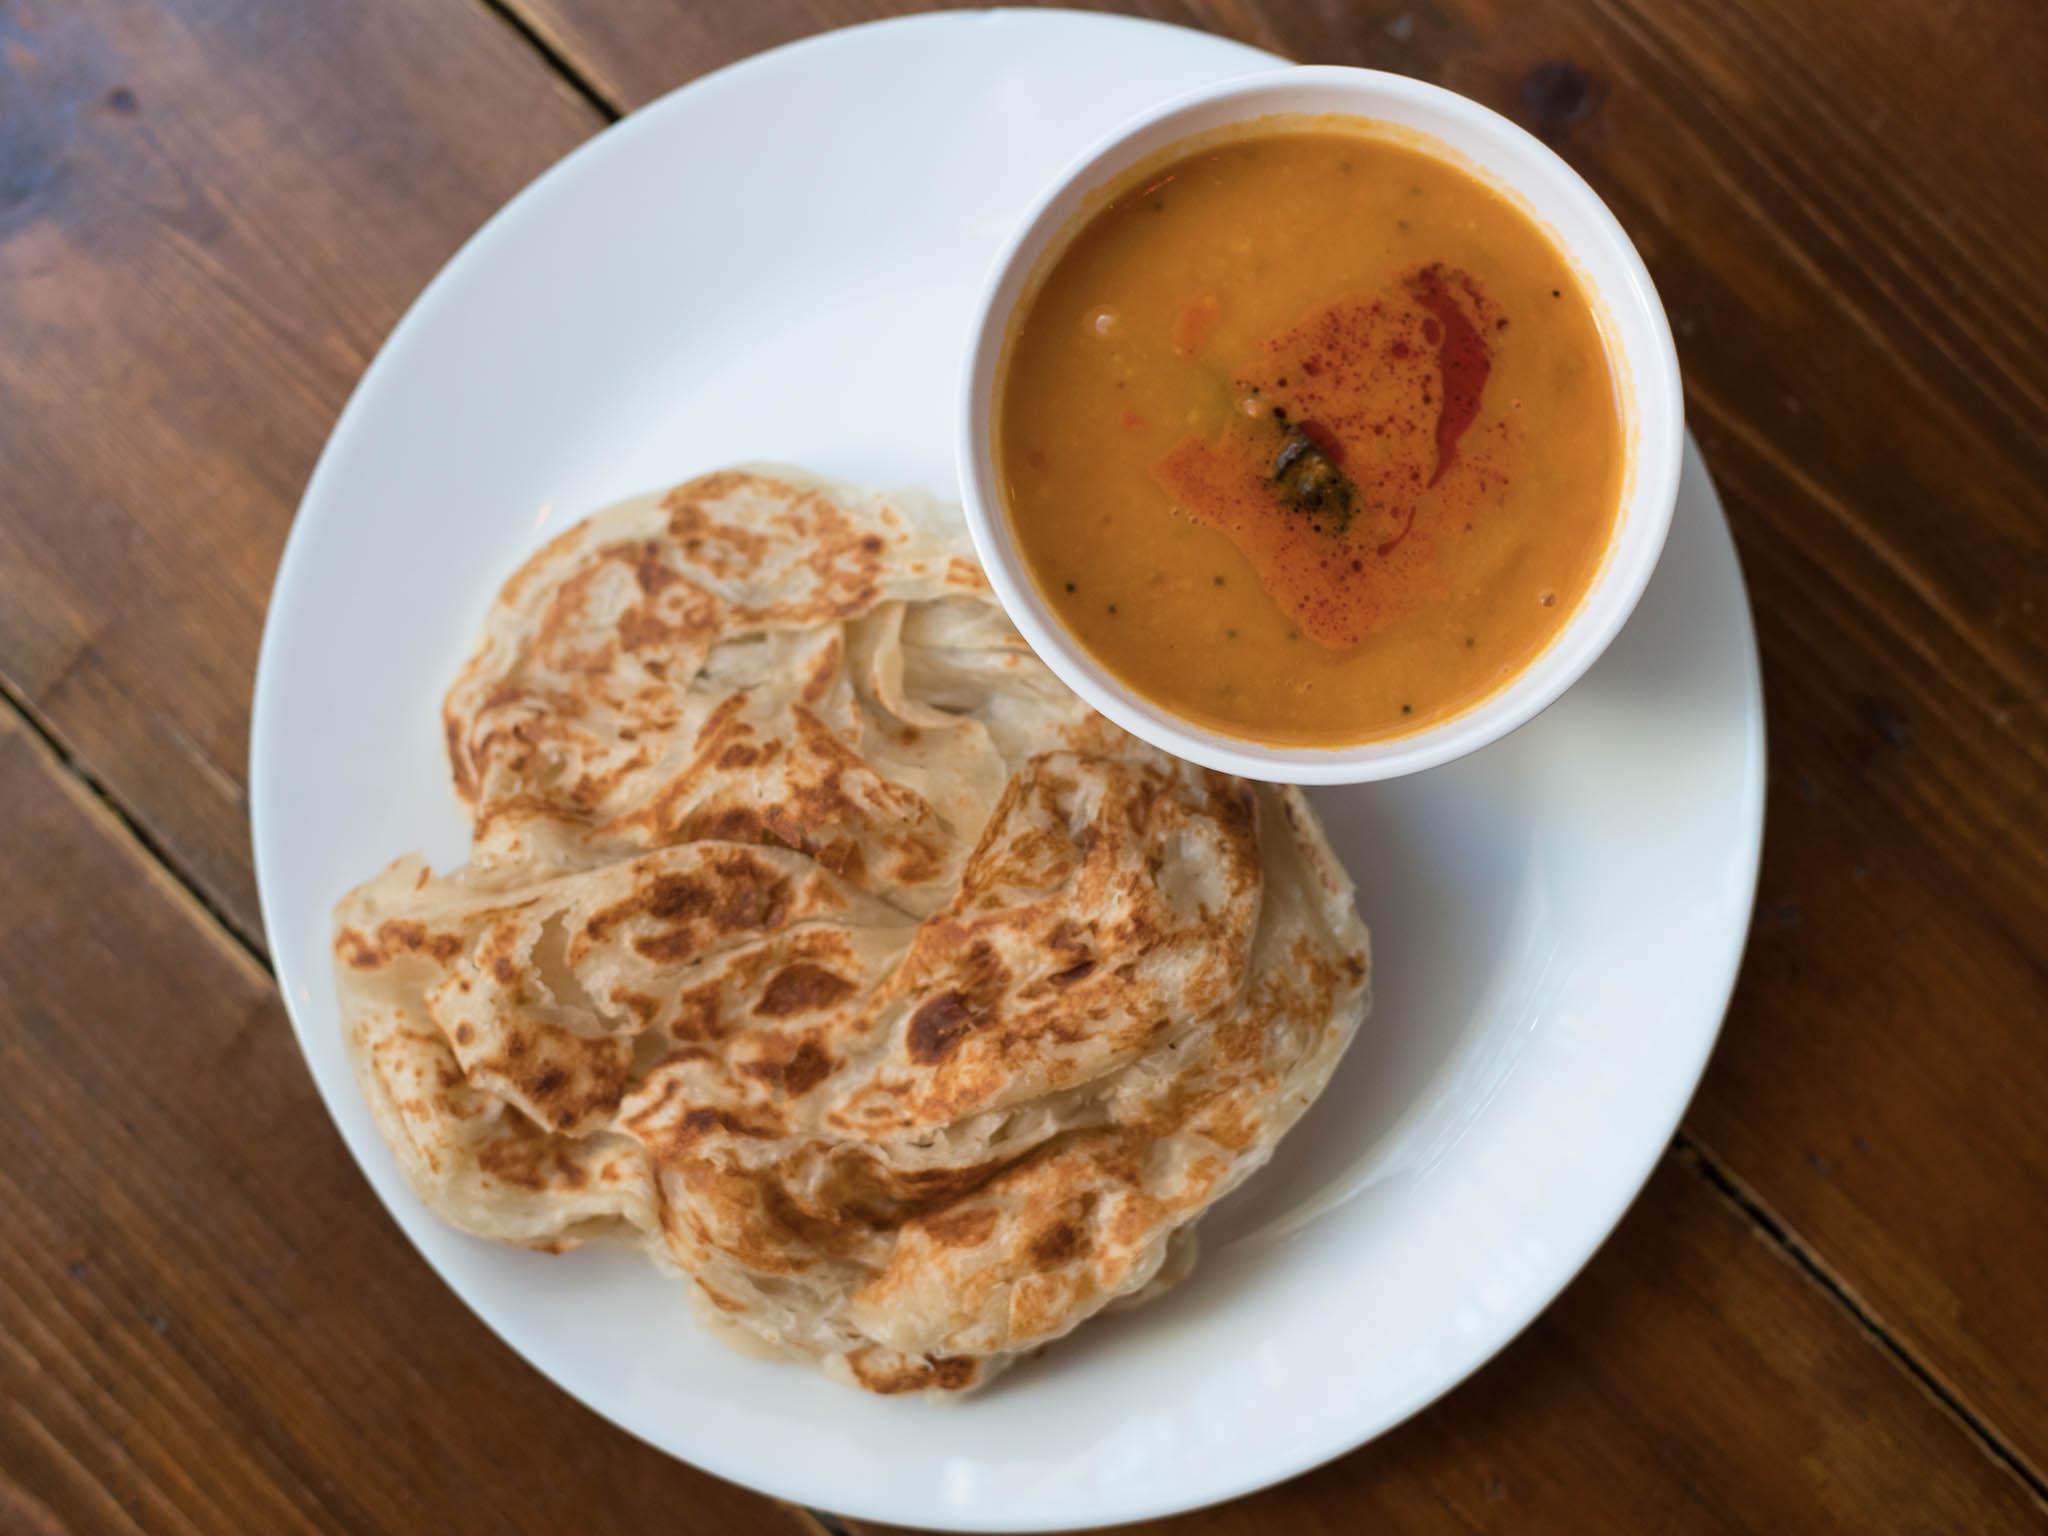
{"x":207,"y":1324}
{"x":211,"y":211}
{"x":1840,"y":204}
{"x":210,"y":215}
{"x":1691,"y":1380}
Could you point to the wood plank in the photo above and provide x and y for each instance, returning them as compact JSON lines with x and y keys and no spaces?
{"x":1691,"y":1380}
{"x":632,"y":51}
{"x":211,"y":212}
{"x":1841,"y":206}
{"x":207,"y":1324}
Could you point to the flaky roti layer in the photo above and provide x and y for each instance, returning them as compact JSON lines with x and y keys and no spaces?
{"x":819,"y":942}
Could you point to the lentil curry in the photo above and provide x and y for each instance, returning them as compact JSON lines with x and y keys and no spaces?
{"x":1311,"y":436}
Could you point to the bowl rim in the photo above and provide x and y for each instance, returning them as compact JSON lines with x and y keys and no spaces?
{"x":1653,"y":388}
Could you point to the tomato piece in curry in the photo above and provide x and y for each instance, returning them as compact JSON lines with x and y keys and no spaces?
{"x":1311,"y":436}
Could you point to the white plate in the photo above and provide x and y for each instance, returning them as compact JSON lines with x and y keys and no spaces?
{"x":779,"y":261}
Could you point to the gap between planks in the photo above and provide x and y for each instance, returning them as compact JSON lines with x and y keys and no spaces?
{"x":1761,"y":1220}
{"x":1795,"y":1251}
{"x":43,"y":731}
{"x":529,"y":31}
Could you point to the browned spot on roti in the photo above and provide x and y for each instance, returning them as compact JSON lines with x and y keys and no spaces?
{"x":859,"y":1184}
{"x":734,"y":892}
{"x":962,"y":1229}
{"x":823,"y":674}
{"x":1068,"y":936}
{"x":705,"y":1120}
{"x":458,"y":758}
{"x":720,"y":1300}
{"x":795,"y":1070}
{"x":843,"y":857}
{"x":937,"y":1028}
{"x":649,"y":569}
{"x":395,"y":937}
{"x":965,"y":573}
{"x":530,"y":1158}
{"x":949,"y":1373}
{"x":645,"y":1009}
{"x":919,"y":864}
{"x":801,"y":988}
{"x":1056,"y":1244}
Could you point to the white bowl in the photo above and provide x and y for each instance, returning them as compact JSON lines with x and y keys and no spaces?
{"x":1633,"y":324}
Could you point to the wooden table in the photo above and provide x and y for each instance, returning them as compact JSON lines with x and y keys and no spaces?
{"x":1830,"y":1309}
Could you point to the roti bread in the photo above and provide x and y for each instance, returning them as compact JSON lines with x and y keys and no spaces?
{"x":819,"y":942}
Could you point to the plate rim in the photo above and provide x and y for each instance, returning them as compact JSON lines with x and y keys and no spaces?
{"x":263,"y":807}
